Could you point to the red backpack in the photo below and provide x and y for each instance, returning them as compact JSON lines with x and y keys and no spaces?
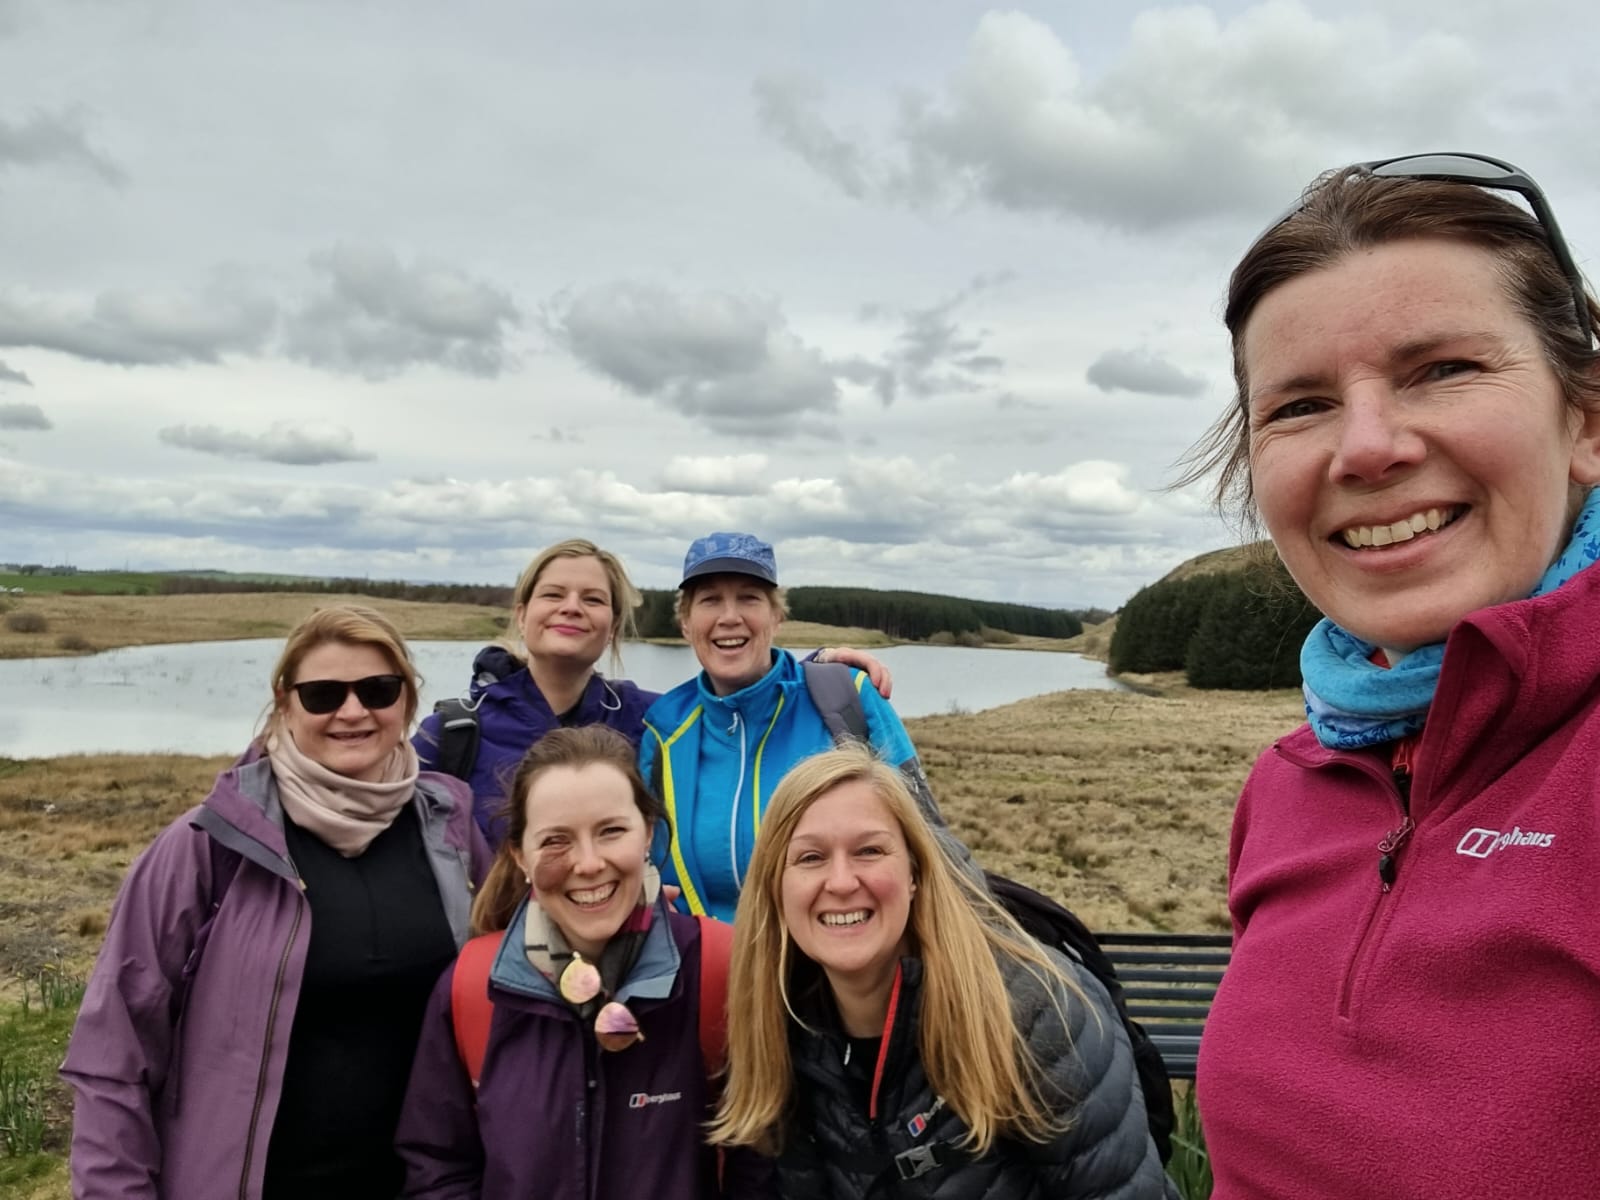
{"x":471,"y":1010}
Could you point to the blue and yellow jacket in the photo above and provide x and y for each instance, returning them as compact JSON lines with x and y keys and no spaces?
{"x":715,"y":761}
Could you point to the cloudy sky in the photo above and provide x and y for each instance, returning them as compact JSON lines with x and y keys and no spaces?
{"x":924,"y":291}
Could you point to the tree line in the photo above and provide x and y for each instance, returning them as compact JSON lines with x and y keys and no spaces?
{"x":494,"y":596}
{"x":911,"y":616}
{"x":1237,"y":629}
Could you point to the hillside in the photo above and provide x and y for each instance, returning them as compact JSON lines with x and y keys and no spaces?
{"x":1220,"y":562}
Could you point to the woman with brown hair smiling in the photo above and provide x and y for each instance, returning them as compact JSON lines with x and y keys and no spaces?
{"x":1415,"y":984}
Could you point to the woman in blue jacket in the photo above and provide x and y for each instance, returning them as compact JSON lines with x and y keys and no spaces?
{"x":588,"y":1074}
{"x":716,"y":747}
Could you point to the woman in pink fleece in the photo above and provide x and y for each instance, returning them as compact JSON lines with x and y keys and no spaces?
{"x":1413,"y":1004}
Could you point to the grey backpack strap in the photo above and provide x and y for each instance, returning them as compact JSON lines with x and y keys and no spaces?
{"x":832,"y":687}
{"x":458,"y":738}
{"x":833,"y":690}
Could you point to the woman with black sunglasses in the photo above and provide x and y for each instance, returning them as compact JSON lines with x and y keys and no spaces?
{"x":249,"y":1025}
{"x":1414,"y":993}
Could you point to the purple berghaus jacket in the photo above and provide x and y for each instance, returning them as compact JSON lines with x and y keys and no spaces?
{"x":555,"y":1116}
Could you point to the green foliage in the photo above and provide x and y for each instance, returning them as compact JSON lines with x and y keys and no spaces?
{"x":658,"y":615}
{"x":493,"y":596}
{"x":1250,"y":636}
{"x":21,"y":1110}
{"x":918,"y":615}
{"x":34,"y":580}
{"x":1190,"y":1167}
{"x":1155,"y":628}
{"x":53,"y":989}
{"x":33,"y":1038}
{"x":1233,"y":629}
{"x":912,"y":616}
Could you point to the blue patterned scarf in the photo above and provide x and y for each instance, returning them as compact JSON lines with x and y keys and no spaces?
{"x":1352,"y":702}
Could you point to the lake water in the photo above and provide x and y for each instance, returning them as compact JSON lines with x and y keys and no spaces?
{"x":206,"y":697}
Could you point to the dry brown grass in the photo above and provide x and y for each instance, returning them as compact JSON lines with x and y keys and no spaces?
{"x":1116,"y":803}
{"x":107,"y":622}
{"x":1094,"y":641}
{"x":69,"y":827}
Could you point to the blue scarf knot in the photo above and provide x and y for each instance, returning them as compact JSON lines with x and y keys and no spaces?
{"x":1352,"y":702}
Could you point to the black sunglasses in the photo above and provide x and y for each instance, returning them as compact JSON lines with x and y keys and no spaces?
{"x":1482,"y":171}
{"x":322,"y":696}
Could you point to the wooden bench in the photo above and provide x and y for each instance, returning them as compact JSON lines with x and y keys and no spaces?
{"x":1168,"y":981}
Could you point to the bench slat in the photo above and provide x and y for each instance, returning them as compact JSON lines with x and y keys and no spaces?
{"x":1169,"y":981}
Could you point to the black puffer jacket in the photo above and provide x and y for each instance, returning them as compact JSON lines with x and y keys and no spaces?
{"x":836,"y":1144}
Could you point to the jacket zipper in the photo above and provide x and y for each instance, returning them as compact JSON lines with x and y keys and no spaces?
{"x":1389,"y":847}
{"x":587,"y":1148}
{"x":1388,"y":850}
{"x":733,"y":809}
{"x":266,"y":1045}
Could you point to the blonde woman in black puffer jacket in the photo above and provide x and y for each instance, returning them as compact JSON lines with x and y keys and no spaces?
{"x":891,"y":1029}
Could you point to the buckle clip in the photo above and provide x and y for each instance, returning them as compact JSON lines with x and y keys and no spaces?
{"x":917,"y":1161}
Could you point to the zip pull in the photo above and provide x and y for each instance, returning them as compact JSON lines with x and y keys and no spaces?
{"x":1389,"y":849}
{"x":733,"y":722}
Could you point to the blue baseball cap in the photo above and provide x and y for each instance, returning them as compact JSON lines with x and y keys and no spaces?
{"x":730,"y":554}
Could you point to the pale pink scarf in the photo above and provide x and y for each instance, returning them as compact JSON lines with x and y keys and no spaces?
{"x":345,"y":813}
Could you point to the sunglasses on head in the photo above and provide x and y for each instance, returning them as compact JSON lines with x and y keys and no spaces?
{"x":1480,"y":170}
{"x":322,"y":696}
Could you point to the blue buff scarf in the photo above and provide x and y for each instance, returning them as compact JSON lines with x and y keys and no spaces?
{"x":1352,"y":702}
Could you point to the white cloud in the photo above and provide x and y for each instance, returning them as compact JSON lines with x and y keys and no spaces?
{"x":730,"y":361}
{"x":23,"y":416}
{"x":1142,"y":371}
{"x":129,"y":328}
{"x":722,"y":475}
{"x":376,"y":316}
{"x":1197,"y":117}
{"x":294,"y":445}
{"x":50,"y":138}
{"x":786,"y":108}
{"x":10,"y":375}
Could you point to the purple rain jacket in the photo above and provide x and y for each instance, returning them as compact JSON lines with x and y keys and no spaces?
{"x":554,"y":1115}
{"x":179,"y":1105}
{"x":513,"y":714}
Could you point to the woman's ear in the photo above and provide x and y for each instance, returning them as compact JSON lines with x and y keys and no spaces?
{"x":522,"y":865}
{"x":1585,"y":464}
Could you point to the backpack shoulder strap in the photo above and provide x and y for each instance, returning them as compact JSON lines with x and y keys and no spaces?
{"x":832,"y":687}
{"x":471,"y":1010}
{"x":716,"y":948}
{"x":458,"y":737}
{"x":224,"y":866}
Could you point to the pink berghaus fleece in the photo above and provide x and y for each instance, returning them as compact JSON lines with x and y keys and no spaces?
{"x":1441,"y":1039}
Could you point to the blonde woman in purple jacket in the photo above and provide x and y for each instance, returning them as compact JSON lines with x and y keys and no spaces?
{"x":249,"y":1026}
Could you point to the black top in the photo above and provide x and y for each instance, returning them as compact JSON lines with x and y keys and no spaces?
{"x":379,"y":942}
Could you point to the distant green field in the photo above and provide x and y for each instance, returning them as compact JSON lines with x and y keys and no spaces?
{"x":100,"y":583}
{"x":124,"y":583}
